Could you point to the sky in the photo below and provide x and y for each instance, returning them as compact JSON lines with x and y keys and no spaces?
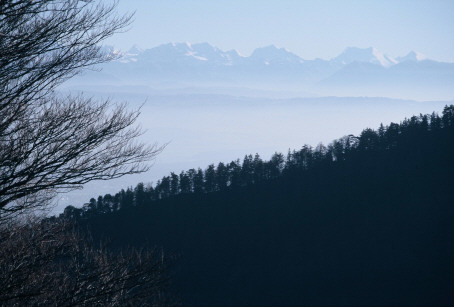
{"x":308,"y":28}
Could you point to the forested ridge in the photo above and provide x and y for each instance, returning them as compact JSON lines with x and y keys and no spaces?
{"x":253,"y":170}
{"x":365,"y":220}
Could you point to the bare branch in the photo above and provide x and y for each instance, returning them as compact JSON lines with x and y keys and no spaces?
{"x":49,"y":263}
{"x":50,"y":143}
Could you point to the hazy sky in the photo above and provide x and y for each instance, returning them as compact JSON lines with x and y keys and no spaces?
{"x":312,"y":28}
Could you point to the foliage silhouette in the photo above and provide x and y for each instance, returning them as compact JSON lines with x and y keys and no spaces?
{"x":365,"y":220}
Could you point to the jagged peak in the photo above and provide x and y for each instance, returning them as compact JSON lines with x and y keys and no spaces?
{"x":271,"y":51}
{"x":413,"y":56}
{"x":370,"y":54}
{"x":135,"y":49}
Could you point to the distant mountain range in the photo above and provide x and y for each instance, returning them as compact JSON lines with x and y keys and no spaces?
{"x":356,"y":71}
{"x":186,"y":53}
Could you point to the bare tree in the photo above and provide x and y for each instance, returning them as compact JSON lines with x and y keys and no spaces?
{"x":51,"y":264}
{"x":49,"y":142}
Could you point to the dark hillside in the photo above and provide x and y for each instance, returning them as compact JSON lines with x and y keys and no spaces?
{"x":368,"y":220}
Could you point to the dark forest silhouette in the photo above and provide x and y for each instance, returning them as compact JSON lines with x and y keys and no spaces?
{"x":254,"y":170}
{"x":366,"y":220}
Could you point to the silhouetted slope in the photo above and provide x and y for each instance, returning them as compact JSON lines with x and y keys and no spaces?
{"x":374,"y":226}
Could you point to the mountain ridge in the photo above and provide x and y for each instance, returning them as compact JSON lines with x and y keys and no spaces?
{"x":348,"y":55}
{"x":413,"y":76}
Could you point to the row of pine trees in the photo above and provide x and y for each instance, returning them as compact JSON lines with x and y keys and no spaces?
{"x":253,"y":169}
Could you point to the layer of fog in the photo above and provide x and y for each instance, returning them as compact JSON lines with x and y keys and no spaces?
{"x":204,"y":129}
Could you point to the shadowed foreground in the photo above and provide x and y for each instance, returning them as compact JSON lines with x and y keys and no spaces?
{"x":372,"y":226}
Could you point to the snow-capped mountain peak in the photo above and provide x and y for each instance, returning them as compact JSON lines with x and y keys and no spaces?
{"x":268,"y":51}
{"x":356,"y":69}
{"x":109,"y":49}
{"x":383,"y":59}
{"x":273,"y":54}
{"x":180,"y":53}
{"x":206,"y":59}
{"x":206,"y":54}
{"x":134,"y":50}
{"x":412,"y":56}
{"x":370,"y":55}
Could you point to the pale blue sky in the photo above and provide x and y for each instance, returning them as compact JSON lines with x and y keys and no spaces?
{"x":312,"y":28}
